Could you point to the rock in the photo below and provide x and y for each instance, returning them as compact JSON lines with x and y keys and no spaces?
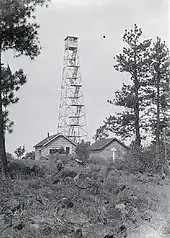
{"x":66,"y":228}
{"x":146,"y":216}
{"x":82,"y":184}
{"x":34,"y":226}
{"x":55,"y":181}
{"x":106,"y":202}
{"x":78,"y":233}
{"x":70,"y":204}
{"x":122,"y":230}
{"x":132,"y":214}
{"x":67,"y":203}
{"x":120,"y":187}
{"x":40,"y":220}
{"x":2,"y":222}
{"x":69,"y":173}
{"x":46,"y":230}
{"x":157,"y":219}
{"x":98,"y":230}
{"x":76,"y":218}
{"x":14,"y":205}
{"x":79,"y":161}
{"x":120,"y":206}
{"x":109,"y":236}
{"x":20,"y":226}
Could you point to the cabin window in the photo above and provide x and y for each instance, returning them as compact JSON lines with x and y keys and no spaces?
{"x":67,"y":150}
{"x":53,"y":151}
{"x":57,"y":150}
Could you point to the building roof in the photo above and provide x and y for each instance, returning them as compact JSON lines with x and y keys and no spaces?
{"x":101,"y":144}
{"x":75,"y":37}
{"x":49,"y":139}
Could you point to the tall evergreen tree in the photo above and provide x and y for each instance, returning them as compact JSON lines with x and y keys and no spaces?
{"x":159,"y":111}
{"x":10,"y":84}
{"x":18,"y":32}
{"x":101,"y":133}
{"x":135,"y":62}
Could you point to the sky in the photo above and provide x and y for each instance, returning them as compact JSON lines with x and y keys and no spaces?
{"x":36,"y":114}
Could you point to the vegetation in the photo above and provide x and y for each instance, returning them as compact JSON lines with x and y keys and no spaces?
{"x":20,"y":151}
{"x":133,"y":61}
{"x":145,"y":102}
{"x":94,"y":200}
{"x":82,"y":196}
{"x":10,"y":84}
{"x":82,"y":150}
{"x":159,"y":84}
{"x":18,"y":32}
{"x":30,"y":155}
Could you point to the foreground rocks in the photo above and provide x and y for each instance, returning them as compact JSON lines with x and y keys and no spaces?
{"x":81,"y":201}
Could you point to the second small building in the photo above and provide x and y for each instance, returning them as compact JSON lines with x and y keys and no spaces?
{"x":110,"y":148}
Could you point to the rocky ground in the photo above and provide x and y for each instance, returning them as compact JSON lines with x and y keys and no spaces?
{"x":66,"y":199}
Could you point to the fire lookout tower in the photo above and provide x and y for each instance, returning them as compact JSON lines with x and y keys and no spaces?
{"x":72,"y":118}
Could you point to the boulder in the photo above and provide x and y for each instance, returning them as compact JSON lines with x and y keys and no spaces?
{"x":75,"y":217}
{"x":120,"y":206}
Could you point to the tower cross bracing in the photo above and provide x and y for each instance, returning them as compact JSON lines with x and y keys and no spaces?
{"x":72,"y":118}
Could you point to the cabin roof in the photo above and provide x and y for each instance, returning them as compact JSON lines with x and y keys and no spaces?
{"x":49,"y":139}
{"x":101,"y":144}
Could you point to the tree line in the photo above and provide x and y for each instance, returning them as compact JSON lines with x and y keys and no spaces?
{"x":145,"y":101}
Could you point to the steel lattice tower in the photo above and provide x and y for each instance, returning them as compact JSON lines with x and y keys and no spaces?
{"x":72,"y":118}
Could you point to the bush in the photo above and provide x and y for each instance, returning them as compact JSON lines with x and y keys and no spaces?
{"x":96,"y":160}
{"x":17,"y":168}
{"x":141,"y":160}
{"x":82,"y":150}
{"x":30,"y":156}
{"x":9,"y":156}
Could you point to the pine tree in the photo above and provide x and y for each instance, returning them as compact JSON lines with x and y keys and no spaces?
{"x":10,"y":84}
{"x":18,"y":32}
{"x":101,"y":133}
{"x":135,"y":62}
{"x":159,"y":111}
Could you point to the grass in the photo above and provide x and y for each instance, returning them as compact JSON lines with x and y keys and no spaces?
{"x":77,"y":199}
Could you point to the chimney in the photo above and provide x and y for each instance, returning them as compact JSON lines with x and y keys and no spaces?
{"x":48,"y":134}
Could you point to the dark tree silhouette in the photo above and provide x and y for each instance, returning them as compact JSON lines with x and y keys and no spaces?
{"x":18,"y":32}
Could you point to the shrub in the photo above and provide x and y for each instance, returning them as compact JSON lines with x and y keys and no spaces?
{"x":141,"y":160}
{"x":17,"y":168}
{"x":82,"y":150}
{"x":30,"y":155}
{"x":95,"y":160}
{"x":9,"y":156}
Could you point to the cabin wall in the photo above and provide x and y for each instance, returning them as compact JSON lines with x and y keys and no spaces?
{"x":55,"y":144}
{"x":107,"y":152}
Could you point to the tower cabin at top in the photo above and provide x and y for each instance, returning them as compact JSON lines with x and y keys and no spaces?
{"x":71,"y":42}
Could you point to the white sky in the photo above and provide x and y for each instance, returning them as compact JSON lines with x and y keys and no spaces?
{"x":37,"y":112}
{"x":79,"y":2}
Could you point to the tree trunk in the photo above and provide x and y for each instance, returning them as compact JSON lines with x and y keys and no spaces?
{"x":138,"y":138}
{"x":2,"y":135}
{"x":137,"y":126}
{"x":158,"y":118}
